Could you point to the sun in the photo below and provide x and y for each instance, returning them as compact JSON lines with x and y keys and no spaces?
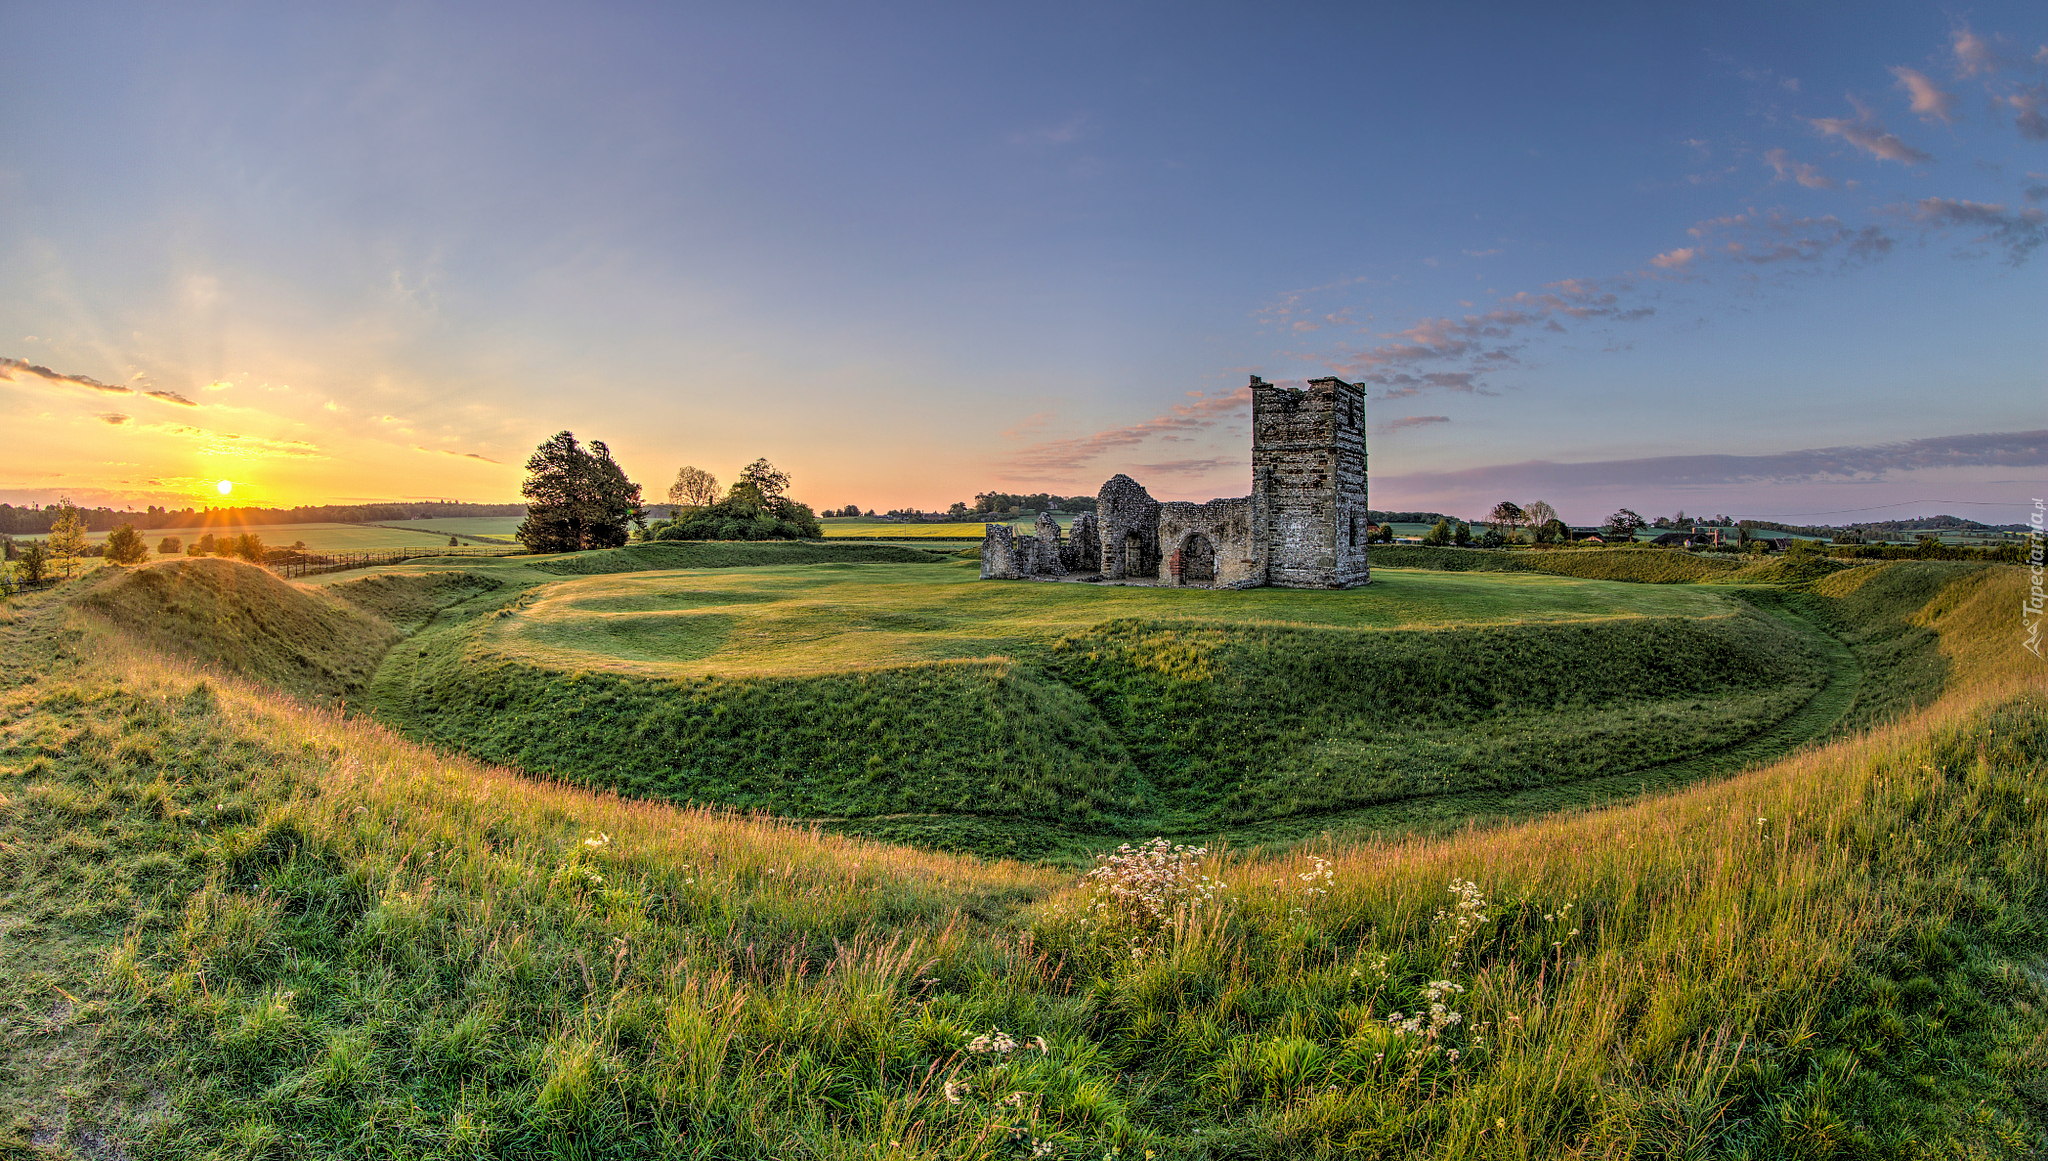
{"x":224,"y":487}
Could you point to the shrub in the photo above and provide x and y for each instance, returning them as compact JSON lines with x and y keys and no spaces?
{"x":170,"y":546}
{"x":125,"y":546}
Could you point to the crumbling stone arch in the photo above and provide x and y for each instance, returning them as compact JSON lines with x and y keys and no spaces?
{"x":1195,"y":560}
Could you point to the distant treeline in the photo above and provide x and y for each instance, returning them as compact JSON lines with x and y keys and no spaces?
{"x":1378,"y":517}
{"x":33,"y":520}
{"x":1886,"y":529}
{"x":986,"y":503}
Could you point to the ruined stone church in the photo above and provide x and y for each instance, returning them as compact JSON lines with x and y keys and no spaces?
{"x":1303,"y":526}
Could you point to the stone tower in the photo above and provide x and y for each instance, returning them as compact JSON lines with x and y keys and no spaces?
{"x":1308,"y":481}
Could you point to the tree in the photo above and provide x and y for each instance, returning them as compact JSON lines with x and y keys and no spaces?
{"x":1539,"y":514}
{"x":248,"y":546}
{"x":67,"y":534}
{"x":1493,"y":538}
{"x":1462,"y":534}
{"x":170,"y":546}
{"x":1622,"y":525}
{"x":575,"y":499}
{"x":694,"y":488}
{"x":1506,"y":513}
{"x":454,"y":542}
{"x":125,"y":546}
{"x":1438,"y":535}
{"x":958,"y":511}
{"x":1553,"y":531}
{"x":35,"y":563}
{"x":768,"y":481}
{"x":202,"y":546}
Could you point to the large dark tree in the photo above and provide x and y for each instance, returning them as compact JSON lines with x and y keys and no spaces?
{"x":575,"y":499}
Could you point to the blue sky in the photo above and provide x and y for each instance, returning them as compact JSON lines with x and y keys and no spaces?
{"x":1760,"y":260}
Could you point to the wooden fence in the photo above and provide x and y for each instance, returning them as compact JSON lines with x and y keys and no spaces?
{"x":296,"y":563}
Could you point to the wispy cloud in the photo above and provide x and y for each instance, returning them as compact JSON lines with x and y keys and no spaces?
{"x":2018,"y":231}
{"x":1484,"y":341}
{"x":2028,"y":101}
{"x":1063,"y":455}
{"x":2015,"y":449}
{"x":1191,"y":467}
{"x":113,"y":417}
{"x":1982,"y":56}
{"x":1759,"y":238}
{"x":1866,"y":134}
{"x":458,"y":455}
{"x":230,"y":443}
{"x":1065,"y":133}
{"x":1929,"y":101}
{"x":1412,"y":421}
{"x":1802,"y":172}
{"x":1677,"y":259}
{"x":8,"y":368}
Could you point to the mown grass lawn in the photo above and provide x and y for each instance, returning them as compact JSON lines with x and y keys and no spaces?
{"x":823,"y":619}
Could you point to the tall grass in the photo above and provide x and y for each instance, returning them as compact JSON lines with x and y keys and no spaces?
{"x":256,"y":927}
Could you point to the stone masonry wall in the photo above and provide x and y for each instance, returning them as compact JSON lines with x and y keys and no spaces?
{"x":1083,"y":553}
{"x":998,"y":553}
{"x":1124,"y":508}
{"x":1230,"y":528}
{"x":1308,"y":472}
{"x":1049,"y":549}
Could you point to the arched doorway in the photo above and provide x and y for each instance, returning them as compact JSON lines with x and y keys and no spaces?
{"x":1134,"y":554}
{"x":1197,"y":560}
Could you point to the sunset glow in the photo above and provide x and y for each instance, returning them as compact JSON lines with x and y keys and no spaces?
{"x":1750,"y":264}
{"x":224,"y":487}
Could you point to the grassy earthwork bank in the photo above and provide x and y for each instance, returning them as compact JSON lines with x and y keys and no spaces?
{"x":249,"y":923}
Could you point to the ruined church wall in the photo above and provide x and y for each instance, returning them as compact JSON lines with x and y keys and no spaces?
{"x":1230,"y":527}
{"x":998,"y":553}
{"x":1083,"y":552}
{"x":1125,"y":509}
{"x":1050,"y":551}
{"x":1308,"y":467}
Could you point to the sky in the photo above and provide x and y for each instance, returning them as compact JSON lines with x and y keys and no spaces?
{"x":1774,"y":260}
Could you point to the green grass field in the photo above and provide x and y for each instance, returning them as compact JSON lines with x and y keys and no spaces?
{"x":912,"y":701}
{"x":236,"y":923}
{"x":493,"y":527}
{"x":318,"y":537}
{"x":888,"y":529}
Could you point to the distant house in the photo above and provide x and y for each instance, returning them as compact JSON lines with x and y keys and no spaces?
{"x":1588,"y":536}
{"x":1674,"y":540}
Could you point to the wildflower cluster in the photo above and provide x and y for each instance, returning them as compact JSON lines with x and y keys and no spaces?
{"x":1561,"y":915}
{"x":1147,"y":883}
{"x":1463,"y":920}
{"x":1317,"y":879}
{"x":999,"y":1046}
{"x":1431,"y":1022}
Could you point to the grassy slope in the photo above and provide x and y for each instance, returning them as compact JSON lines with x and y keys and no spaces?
{"x":728,"y":554}
{"x":244,"y":619}
{"x":808,"y":692}
{"x":1241,"y":723}
{"x":252,"y":928}
{"x":1641,"y":565}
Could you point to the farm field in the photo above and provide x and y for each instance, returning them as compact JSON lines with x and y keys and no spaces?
{"x":501,"y":527}
{"x":854,"y":526}
{"x":249,"y":925}
{"x":318,"y":537}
